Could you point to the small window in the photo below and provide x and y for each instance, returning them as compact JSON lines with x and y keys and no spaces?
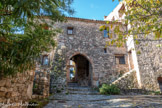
{"x":105,"y":50}
{"x":120,"y":59}
{"x":70,"y":30}
{"x":106,"y":33}
{"x":45,"y":26}
{"x":45,"y":60}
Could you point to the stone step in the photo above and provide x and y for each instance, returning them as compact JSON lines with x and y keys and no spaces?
{"x":79,"y":88}
{"x":84,"y":92}
{"x":73,"y":85}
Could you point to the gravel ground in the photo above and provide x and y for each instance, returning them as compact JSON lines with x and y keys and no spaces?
{"x":103,"y":101}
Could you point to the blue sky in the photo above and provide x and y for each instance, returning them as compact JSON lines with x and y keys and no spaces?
{"x":93,"y":9}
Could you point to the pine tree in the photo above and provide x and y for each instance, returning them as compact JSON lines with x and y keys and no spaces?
{"x":24,"y":34}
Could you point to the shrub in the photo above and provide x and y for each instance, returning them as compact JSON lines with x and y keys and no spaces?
{"x":155,"y":92}
{"x":109,"y":89}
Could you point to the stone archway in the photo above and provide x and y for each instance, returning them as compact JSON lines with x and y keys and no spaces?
{"x":81,"y":66}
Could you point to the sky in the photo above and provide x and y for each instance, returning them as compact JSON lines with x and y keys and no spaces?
{"x":93,"y":9}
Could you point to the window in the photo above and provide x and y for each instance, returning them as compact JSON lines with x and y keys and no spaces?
{"x":120,"y":59}
{"x":45,"y":26}
{"x":105,"y":50}
{"x":106,"y":33}
{"x":70,"y":30}
{"x":45,"y":60}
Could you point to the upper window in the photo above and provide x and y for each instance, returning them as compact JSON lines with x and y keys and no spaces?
{"x":45,"y":26}
{"x":45,"y":60}
{"x":120,"y":59}
{"x":70,"y":30}
{"x":106,"y":33}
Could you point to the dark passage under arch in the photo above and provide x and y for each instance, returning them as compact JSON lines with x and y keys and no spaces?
{"x":82,"y":72}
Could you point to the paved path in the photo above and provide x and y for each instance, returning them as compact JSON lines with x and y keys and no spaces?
{"x":101,"y":101}
{"x":94,"y":100}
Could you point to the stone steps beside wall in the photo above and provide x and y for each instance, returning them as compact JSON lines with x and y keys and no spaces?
{"x":84,"y":92}
{"x":73,"y":84}
{"x":127,"y":81}
{"x":123,"y":76}
{"x":74,"y":88}
{"x":79,"y":88}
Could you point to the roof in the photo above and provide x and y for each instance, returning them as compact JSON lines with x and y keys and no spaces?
{"x":90,"y":20}
{"x":86,"y":20}
{"x":115,"y":13}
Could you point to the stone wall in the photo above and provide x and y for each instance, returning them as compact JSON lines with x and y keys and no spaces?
{"x":16,"y":89}
{"x":41,"y":85}
{"x":127,"y":81}
{"x":150,"y":61}
{"x":90,"y":42}
{"x":58,"y":71}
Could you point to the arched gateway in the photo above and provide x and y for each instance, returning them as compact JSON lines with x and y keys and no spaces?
{"x":79,"y":70}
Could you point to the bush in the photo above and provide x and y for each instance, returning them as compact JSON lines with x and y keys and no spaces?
{"x":109,"y":89}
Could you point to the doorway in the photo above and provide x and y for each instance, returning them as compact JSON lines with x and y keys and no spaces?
{"x":160,"y":82}
{"x":80,"y":70}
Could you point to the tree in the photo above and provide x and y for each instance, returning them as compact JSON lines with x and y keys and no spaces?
{"x":24,"y":34}
{"x":144,"y":17}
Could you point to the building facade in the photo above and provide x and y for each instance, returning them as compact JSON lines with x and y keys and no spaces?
{"x":81,"y":56}
{"x":146,"y":56}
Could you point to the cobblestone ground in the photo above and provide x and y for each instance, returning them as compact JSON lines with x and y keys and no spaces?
{"x":102,"y":101}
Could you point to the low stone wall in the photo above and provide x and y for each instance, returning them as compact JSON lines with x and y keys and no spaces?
{"x":16,"y":90}
{"x":127,"y":81}
{"x":57,"y":84}
{"x":41,"y":85}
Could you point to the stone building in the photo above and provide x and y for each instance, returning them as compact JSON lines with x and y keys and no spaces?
{"x":146,"y":56}
{"x":81,"y":56}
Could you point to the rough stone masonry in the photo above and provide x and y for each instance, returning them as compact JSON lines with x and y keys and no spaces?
{"x":82,"y":42}
{"x":149,"y":55}
{"x":86,"y":46}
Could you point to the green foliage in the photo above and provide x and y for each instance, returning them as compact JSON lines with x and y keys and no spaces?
{"x":58,"y":90}
{"x":144,"y":17}
{"x":67,"y":92}
{"x":138,"y":52}
{"x":154,"y":93}
{"x":96,"y":89}
{"x":35,"y":86}
{"x":24,"y":32}
{"x":157,"y":93}
{"x":109,"y":89}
